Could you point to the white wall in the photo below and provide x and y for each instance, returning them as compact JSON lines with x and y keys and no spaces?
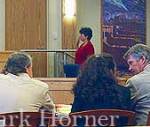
{"x":88,"y":15}
{"x":54,"y":24}
{"x":53,"y":31}
{"x":2,"y":25}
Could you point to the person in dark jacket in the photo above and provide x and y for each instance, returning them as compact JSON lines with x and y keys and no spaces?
{"x":97,"y":88}
{"x":125,"y":98}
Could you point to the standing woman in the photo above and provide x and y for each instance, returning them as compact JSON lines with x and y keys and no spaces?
{"x":85,"y":49}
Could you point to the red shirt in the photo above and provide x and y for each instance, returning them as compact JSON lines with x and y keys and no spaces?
{"x":83,"y":52}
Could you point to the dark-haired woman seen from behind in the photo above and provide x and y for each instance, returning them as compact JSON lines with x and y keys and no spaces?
{"x":96,"y":86}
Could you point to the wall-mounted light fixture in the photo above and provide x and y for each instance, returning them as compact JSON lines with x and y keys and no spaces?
{"x":69,"y":8}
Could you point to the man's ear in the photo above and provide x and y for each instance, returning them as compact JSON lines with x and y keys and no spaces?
{"x":29,"y":71}
{"x":142,"y":59}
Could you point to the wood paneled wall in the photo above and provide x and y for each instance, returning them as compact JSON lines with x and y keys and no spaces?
{"x":69,"y":32}
{"x":25,"y":24}
{"x":26,"y":29}
{"x":3,"y":58}
{"x":60,"y":89}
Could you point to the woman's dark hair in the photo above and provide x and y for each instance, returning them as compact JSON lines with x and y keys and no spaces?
{"x":86,"y":31}
{"x":109,"y":59}
{"x":17,"y":63}
{"x":96,"y":80}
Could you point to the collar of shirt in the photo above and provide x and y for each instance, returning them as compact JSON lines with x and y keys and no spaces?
{"x":147,"y":68}
{"x":23,"y":75}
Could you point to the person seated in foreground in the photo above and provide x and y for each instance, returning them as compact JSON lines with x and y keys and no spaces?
{"x":97,"y":88}
{"x":138,"y":59}
{"x":19,"y":91}
{"x":123,"y":91}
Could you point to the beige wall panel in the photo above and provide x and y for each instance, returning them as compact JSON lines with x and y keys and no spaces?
{"x":69,"y":33}
{"x":3,"y":58}
{"x":26,"y":29}
{"x":60,"y":89}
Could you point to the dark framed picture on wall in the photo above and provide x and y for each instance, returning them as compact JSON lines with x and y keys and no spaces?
{"x":123,"y":25}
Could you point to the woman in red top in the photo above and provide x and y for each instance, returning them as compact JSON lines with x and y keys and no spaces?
{"x":85,"y":49}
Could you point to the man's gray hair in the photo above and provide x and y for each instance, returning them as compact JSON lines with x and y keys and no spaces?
{"x":137,"y":51}
{"x":17,"y":63}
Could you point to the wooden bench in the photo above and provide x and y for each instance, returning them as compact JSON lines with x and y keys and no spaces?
{"x":60,"y":89}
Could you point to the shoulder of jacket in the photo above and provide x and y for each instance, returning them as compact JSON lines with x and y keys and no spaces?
{"x":40,"y":83}
{"x":135,"y":81}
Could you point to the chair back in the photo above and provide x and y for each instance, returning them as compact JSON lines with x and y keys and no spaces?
{"x":25,"y":119}
{"x":71,"y":70}
{"x":102,"y":117}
